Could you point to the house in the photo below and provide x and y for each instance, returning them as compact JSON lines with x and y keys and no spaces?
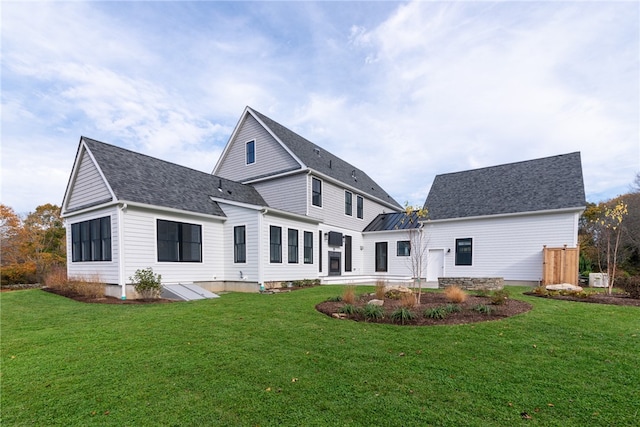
{"x":495,"y":221}
{"x":278,"y":208}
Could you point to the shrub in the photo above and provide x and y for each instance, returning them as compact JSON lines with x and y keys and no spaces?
{"x":499,"y":297}
{"x":408,"y":300}
{"x":483,"y":292}
{"x":335,"y":299}
{"x":349,"y":309}
{"x":540,"y":290}
{"x":18,"y":274}
{"x":372,"y":312}
{"x":349,"y":294}
{"x":381,"y":285}
{"x":402,"y":315}
{"x":56,"y":277}
{"x":146,"y":283}
{"x":482,"y":308}
{"x":436,"y":312}
{"x":305,"y":283}
{"x":630,"y":285}
{"x":91,"y":287}
{"x":452,"y":308}
{"x":455,"y":294}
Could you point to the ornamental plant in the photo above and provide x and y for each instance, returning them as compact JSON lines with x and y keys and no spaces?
{"x":146,"y":283}
{"x":610,"y":222}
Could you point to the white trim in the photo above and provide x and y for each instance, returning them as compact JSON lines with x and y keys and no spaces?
{"x":345,"y":204}
{"x":255,"y":153}
{"x":91,"y":208}
{"x":542,"y":212}
{"x":121,"y":257}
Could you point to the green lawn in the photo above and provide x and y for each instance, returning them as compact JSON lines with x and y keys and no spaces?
{"x":250,"y":359}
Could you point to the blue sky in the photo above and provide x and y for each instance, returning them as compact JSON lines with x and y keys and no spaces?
{"x":402,"y":90}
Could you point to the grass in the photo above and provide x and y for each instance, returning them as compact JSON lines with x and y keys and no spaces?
{"x":251,"y":359}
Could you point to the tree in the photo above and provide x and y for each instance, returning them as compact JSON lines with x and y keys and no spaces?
{"x":44,"y":237}
{"x":10,"y":227}
{"x":608,"y":235}
{"x":415,"y":216}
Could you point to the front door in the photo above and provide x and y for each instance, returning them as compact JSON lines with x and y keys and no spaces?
{"x":435,"y":264}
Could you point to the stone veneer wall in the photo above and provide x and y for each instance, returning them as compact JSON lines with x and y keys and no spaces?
{"x":472,"y":283}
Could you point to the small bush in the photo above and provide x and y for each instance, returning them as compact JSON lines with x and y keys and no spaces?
{"x":499,"y":297}
{"x":455,"y":294}
{"x":91,"y":287}
{"x":408,"y":300}
{"x":381,"y":285}
{"x":436,"y":312}
{"x":305,"y":283}
{"x":402,"y":315}
{"x":146,"y":283}
{"x":483,"y":292}
{"x":56,"y":277}
{"x":452,"y":308}
{"x":349,"y":309}
{"x":372,"y":312}
{"x":394,"y":294}
{"x":335,"y":299}
{"x":630,"y":285}
{"x":349,"y":294}
{"x":482,"y":308}
{"x":14,"y":274}
{"x":540,"y":290}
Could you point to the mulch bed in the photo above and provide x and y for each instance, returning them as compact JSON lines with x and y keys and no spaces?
{"x":599,"y":298}
{"x":428,"y":300}
{"x":105,"y":299}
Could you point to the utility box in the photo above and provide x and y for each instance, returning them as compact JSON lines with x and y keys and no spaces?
{"x":598,"y":280}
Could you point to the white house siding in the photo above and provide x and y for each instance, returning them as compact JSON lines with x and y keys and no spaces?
{"x":287,"y":193}
{"x":397,"y":266}
{"x":89,"y":187}
{"x":508,"y":247}
{"x":357,"y":254}
{"x":270,"y":155}
{"x":286,"y":271}
{"x":104,"y":271}
{"x":238,"y":216}
{"x":140,"y":247}
{"x":332,"y":210}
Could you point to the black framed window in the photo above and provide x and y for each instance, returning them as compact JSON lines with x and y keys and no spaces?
{"x":239,"y":244}
{"x":251,"y":152}
{"x":347,"y":253}
{"x":464,"y":251}
{"x":320,"y":251}
{"x":292,"y":243}
{"x":348,"y":203}
{"x":91,"y":240}
{"x":308,"y":247}
{"x":316,"y":192}
{"x":360,"y":206}
{"x":179,"y":241}
{"x":275,"y":244}
{"x":404,"y":248}
{"x":381,"y":256}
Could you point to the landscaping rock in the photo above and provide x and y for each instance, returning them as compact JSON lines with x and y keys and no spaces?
{"x":564,"y":287}
{"x":376,"y":302}
{"x":339,"y":315}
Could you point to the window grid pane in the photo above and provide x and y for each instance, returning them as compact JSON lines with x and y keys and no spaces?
{"x":293,"y":246}
{"x":308,"y":247}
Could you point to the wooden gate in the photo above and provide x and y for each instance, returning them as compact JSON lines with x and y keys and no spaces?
{"x":559,"y":265}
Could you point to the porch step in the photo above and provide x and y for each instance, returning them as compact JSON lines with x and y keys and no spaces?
{"x":186,"y":292}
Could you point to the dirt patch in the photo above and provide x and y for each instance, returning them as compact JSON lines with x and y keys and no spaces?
{"x":596,"y":298}
{"x":468,"y":312}
{"x":105,"y":299}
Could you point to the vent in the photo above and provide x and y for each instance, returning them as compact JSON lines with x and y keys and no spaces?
{"x":317,"y":151}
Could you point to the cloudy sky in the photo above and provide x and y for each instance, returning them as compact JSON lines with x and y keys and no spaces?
{"x":402,"y":90}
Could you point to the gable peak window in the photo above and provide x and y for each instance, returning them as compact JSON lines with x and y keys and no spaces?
{"x":464,"y":251}
{"x":250,"y":150}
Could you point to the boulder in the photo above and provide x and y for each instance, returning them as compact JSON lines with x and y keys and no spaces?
{"x":376,"y":302}
{"x":563,"y":287}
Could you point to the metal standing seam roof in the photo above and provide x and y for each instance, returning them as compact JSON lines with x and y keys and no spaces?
{"x":322,"y":161}
{"x":548,"y":183}
{"x":136,"y":177}
{"x":394,"y":221}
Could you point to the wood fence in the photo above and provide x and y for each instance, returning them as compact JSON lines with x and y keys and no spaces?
{"x":560,"y":265}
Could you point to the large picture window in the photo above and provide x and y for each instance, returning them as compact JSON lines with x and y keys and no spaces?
{"x":464,"y":251}
{"x":179,"y":241}
{"x":348,"y":203}
{"x":239,"y":244}
{"x":292,"y":239}
{"x":308,"y":247}
{"x":381,"y":256}
{"x":91,"y":240}
{"x":251,"y":152}
{"x":275,"y":244}
{"x":316,"y":192}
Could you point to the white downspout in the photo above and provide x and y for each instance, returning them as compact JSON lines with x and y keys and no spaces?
{"x":260,"y":251}
{"x":121,"y":279}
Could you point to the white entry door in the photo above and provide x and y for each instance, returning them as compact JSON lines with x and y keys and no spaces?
{"x":435,"y":264}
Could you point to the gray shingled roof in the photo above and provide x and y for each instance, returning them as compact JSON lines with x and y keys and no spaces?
{"x":136,"y":177}
{"x":542,"y":184}
{"x":393,"y":221}
{"x":320,"y":160}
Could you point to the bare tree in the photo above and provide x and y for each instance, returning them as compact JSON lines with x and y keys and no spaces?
{"x":417,"y":236}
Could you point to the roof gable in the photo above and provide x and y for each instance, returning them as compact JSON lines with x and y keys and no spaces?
{"x":548,"y":183}
{"x":322,"y":161}
{"x":139,"y":178}
{"x":87,"y":186}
